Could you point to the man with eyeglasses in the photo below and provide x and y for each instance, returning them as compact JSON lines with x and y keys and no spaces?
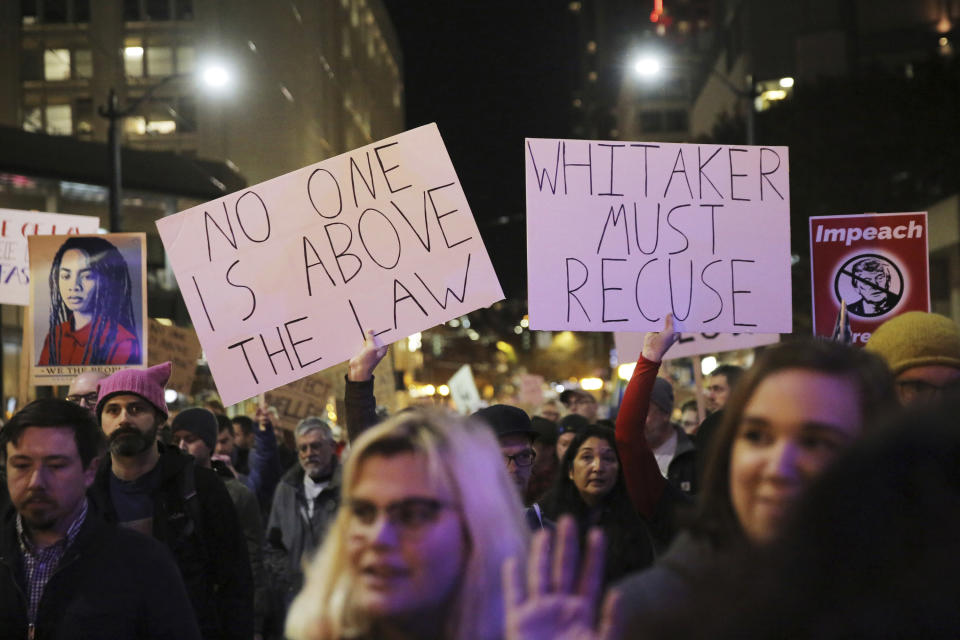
{"x":923,"y":352}
{"x":304,"y":506}
{"x":515,"y":433}
{"x":83,"y":390}
{"x":581,"y":403}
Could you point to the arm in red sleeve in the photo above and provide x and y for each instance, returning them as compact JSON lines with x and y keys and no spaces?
{"x":641,"y":473}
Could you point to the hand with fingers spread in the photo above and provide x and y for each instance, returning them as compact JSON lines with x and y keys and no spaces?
{"x":558,"y":599}
{"x":656,"y":343}
{"x":370,"y":355}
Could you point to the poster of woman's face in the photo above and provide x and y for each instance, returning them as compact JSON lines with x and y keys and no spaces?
{"x":87,"y":304}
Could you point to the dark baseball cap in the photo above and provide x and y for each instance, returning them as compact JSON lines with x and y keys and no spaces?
{"x":507,"y":420}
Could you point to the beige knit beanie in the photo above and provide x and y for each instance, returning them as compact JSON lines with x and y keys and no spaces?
{"x":917,"y":339}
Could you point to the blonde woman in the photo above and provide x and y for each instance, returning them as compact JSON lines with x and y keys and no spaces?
{"x":428,"y":517}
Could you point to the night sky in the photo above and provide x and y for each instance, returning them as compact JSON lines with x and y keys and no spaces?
{"x":490,"y":74}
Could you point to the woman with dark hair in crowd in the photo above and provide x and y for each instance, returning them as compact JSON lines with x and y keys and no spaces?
{"x":91,"y":306}
{"x":871,"y":551}
{"x":590,"y":487}
{"x":428,"y":518}
{"x":790,"y":416}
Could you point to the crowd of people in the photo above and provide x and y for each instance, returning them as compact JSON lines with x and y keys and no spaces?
{"x":819,"y":497}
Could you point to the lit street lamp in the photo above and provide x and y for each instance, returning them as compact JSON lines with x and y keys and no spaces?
{"x":649,"y":66}
{"x":212,"y":76}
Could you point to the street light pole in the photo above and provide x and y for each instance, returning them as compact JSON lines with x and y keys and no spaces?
{"x":114,"y":114}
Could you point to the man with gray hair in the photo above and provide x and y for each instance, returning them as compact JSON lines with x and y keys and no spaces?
{"x":304,"y":505}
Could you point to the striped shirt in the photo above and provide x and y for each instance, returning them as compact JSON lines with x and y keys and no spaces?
{"x":39,"y":564}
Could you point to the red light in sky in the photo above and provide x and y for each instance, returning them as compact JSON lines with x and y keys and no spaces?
{"x":657,"y":11}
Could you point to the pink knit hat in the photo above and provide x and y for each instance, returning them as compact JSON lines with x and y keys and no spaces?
{"x":146,"y":383}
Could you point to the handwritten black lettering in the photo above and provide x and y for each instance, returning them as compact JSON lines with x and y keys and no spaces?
{"x":253,"y":208}
{"x":253,"y":296}
{"x":571,"y":293}
{"x":231,"y":238}
{"x":343,"y":253}
{"x":379,"y":235}
{"x":315,"y":193}
{"x":604,"y":288}
{"x":385,"y":171}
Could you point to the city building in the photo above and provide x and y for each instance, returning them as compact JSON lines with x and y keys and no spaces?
{"x":220,"y":95}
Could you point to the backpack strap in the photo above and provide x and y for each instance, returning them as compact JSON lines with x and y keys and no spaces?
{"x":191,"y":503}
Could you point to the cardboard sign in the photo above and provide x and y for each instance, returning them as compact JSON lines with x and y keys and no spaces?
{"x":463,"y":390}
{"x":302,"y":398}
{"x":94,"y":315}
{"x":876,"y":263}
{"x":629,"y":345}
{"x":15,"y":227}
{"x":621,"y":233}
{"x":282,"y":279}
{"x":531,"y":390}
{"x":181,"y":347}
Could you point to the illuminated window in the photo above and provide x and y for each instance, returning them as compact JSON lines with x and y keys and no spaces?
{"x":133,"y":61}
{"x":83,"y":115}
{"x":56,"y":64}
{"x":186,"y":59}
{"x":83,"y":63}
{"x":161,"y":127}
{"x":135,"y":125}
{"x":33,"y":120}
{"x":28,"y":12}
{"x":159,"y":61}
{"x":59,"y":120}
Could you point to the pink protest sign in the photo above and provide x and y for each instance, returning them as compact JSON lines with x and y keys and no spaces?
{"x":876,"y":263}
{"x":621,"y":233}
{"x":282,"y":279}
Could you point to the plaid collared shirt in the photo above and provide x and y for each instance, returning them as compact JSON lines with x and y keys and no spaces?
{"x":39,"y":564}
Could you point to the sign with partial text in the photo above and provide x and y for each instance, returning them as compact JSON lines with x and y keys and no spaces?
{"x":15,"y":227}
{"x":621,"y":233}
{"x":629,"y":345}
{"x":282,"y":279}
{"x":877,"y":263}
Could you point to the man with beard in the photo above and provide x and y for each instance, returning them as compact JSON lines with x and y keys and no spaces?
{"x":159,"y":491}
{"x":304,"y":505}
{"x":64,"y":573}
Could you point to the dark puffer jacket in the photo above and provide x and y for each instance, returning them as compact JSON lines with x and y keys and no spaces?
{"x":110,"y":584}
{"x":211,"y":553}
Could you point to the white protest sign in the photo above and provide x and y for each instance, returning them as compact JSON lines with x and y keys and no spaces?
{"x":282,"y":279}
{"x":630,"y":344}
{"x":15,"y":227}
{"x":463,"y":390}
{"x":621,"y":233}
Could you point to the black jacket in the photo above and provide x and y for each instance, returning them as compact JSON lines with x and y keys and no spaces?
{"x":110,"y":584}
{"x":211,"y":554}
{"x":682,"y":470}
